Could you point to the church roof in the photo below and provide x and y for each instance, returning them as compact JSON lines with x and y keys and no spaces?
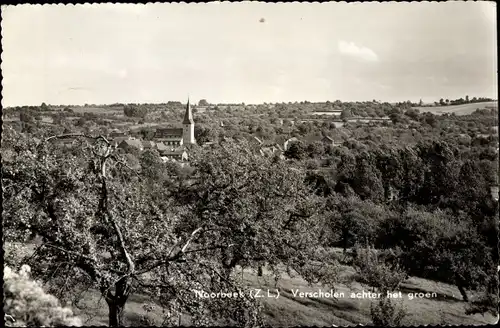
{"x":188,"y":115}
{"x":166,"y":132}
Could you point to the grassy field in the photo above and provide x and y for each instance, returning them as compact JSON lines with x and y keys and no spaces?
{"x":446,"y":307}
{"x":97,"y":110}
{"x":464,"y":109}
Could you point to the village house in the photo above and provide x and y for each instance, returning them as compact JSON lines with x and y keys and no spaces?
{"x":326,"y":140}
{"x":264,"y":148}
{"x":119,"y":139}
{"x":131,"y":143}
{"x":179,"y":154}
{"x":116,"y":134}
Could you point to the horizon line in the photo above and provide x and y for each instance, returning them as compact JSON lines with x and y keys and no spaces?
{"x":239,"y":103}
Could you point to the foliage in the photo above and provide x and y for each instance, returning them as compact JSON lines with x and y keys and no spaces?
{"x":134,"y":111}
{"x":438,"y":247}
{"x":203,"y":102}
{"x":204,"y":134}
{"x":147,"y":134}
{"x":26,"y":117}
{"x":487,"y":301}
{"x":27,"y":304}
{"x":261,"y":207}
{"x":296,"y":150}
{"x":102,"y":226}
{"x":461,"y":101}
{"x":385,"y":278}
{"x":385,"y":313}
{"x":353,"y":221}
{"x":378,"y":270}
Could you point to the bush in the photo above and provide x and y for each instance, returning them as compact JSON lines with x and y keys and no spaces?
{"x":15,"y":253}
{"x":26,"y":117}
{"x":439,"y":247}
{"x":386,"y":314}
{"x":353,"y":221}
{"x":27,"y":304}
{"x":135,"y":111}
{"x":372,"y":270}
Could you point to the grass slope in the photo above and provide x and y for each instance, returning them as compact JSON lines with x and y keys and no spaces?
{"x":445,"y":309}
{"x":463,"y":109}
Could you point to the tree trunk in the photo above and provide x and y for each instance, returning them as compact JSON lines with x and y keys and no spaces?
{"x":461,"y":287}
{"x":115,"y":314}
{"x":116,"y":302}
{"x":345,"y":237}
{"x":463,"y":292}
{"x":259,"y":271}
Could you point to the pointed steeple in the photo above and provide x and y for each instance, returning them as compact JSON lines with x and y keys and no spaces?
{"x":188,"y":116}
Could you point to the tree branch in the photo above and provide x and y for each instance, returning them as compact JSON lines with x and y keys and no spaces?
{"x":77,"y":135}
{"x":104,"y":210}
{"x":208,"y":248}
{"x":78,"y":255}
{"x":190,"y":239}
{"x":172,"y":256}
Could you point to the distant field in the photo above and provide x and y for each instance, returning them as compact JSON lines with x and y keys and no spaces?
{"x":464,"y":109}
{"x":97,"y":110}
{"x":331,"y":113}
{"x":144,"y":125}
{"x":47,"y":119}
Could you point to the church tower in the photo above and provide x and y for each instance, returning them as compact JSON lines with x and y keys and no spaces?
{"x":188,"y":126}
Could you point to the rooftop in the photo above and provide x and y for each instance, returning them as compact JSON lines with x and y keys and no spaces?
{"x":132,"y":143}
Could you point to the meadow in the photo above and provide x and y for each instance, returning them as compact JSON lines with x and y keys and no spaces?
{"x":464,"y":109}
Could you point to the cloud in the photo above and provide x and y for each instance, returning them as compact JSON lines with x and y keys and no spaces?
{"x":351,"y":49}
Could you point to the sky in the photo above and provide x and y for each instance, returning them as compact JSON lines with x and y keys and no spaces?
{"x":248,"y":52}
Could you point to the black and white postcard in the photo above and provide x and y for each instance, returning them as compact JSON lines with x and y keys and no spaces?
{"x":250,"y":164}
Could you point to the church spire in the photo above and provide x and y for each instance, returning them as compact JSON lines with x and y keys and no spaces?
{"x":188,"y":116}
{"x":188,"y":129}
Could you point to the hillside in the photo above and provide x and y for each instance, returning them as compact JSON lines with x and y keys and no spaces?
{"x":463,"y":109}
{"x":290,"y":310}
